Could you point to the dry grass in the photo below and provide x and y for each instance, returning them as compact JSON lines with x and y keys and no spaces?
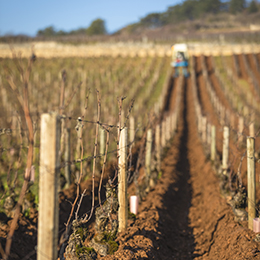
{"x":54,"y":49}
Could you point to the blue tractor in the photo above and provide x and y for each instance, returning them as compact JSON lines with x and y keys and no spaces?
{"x":180,"y":59}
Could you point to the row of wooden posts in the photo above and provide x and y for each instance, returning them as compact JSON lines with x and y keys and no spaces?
{"x":207,"y":133}
{"x":50,"y":167}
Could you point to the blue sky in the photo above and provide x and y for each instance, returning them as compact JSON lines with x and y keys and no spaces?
{"x":28,"y":16}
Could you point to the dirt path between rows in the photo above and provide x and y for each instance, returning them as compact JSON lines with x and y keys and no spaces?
{"x":185,"y":217}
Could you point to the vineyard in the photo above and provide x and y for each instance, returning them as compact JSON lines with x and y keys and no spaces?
{"x":80,"y":136}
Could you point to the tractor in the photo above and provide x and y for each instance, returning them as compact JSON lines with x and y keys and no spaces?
{"x":180,"y":59}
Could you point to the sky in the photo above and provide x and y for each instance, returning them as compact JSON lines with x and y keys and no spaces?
{"x":29,"y":16}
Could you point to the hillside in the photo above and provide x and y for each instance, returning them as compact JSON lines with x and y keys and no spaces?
{"x":206,"y":27}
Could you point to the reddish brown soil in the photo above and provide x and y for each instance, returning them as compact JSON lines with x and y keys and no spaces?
{"x":183,"y":217}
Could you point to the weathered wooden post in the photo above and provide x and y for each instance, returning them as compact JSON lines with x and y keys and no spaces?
{"x":163,"y":138}
{"x":225,"y":149}
{"x":251,"y":181}
{"x":252,"y":125}
{"x":48,"y":222}
{"x":132,"y":129}
{"x":122,"y":181}
{"x":158,"y":148}
{"x":67,"y":158}
{"x":240,"y":129}
{"x":252,"y":129}
{"x":208,"y":134}
{"x":79,"y":128}
{"x":213,"y":143}
{"x":168,"y":128}
{"x":148,"y":155}
{"x":101,"y":140}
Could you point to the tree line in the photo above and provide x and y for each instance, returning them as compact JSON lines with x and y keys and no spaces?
{"x":97,"y":27}
{"x":187,"y":10}
{"x":194,"y":9}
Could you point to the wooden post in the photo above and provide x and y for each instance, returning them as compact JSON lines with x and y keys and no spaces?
{"x":132,"y":129}
{"x":163,"y":139}
{"x":251,"y":181}
{"x":252,"y":125}
{"x":158,"y":148}
{"x":101,"y":141}
{"x":240,"y":129}
{"x":208,"y":134}
{"x":79,"y":128}
{"x":252,"y":129}
{"x":122,"y":181}
{"x":48,"y":225}
{"x":148,"y":155}
{"x":213,"y":143}
{"x":67,"y":158}
{"x":168,"y":128}
{"x":225,"y":150}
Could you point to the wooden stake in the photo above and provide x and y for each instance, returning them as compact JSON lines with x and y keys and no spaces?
{"x":225,"y":150}
{"x":252,"y":125}
{"x":213,"y":143}
{"x":240,"y":129}
{"x":132,"y":129}
{"x":48,"y":225}
{"x":158,"y":148}
{"x":168,"y":128}
{"x":102,"y":140}
{"x":204,"y":129}
{"x":251,"y":181}
{"x":122,"y":182}
{"x":252,"y":129}
{"x":163,"y":139}
{"x":67,"y":158}
{"x":208,"y":134}
{"x":148,"y":155}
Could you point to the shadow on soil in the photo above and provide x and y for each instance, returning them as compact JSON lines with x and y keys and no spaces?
{"x":178,"y":240}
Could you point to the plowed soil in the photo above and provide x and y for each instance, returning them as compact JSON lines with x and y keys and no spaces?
{"x":183,"y":217}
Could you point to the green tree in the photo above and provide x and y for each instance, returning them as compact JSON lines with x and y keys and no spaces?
{"x":47,"y":32}
{"x":252,"y":8}
{"x":152,"y":20}
{"x":190,"y":10}
{"x":97,"y":27}
{"x":209,"y":6}
{"x":236,"y":6}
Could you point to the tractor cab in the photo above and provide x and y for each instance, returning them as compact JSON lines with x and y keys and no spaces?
{"x":180,"y":59}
